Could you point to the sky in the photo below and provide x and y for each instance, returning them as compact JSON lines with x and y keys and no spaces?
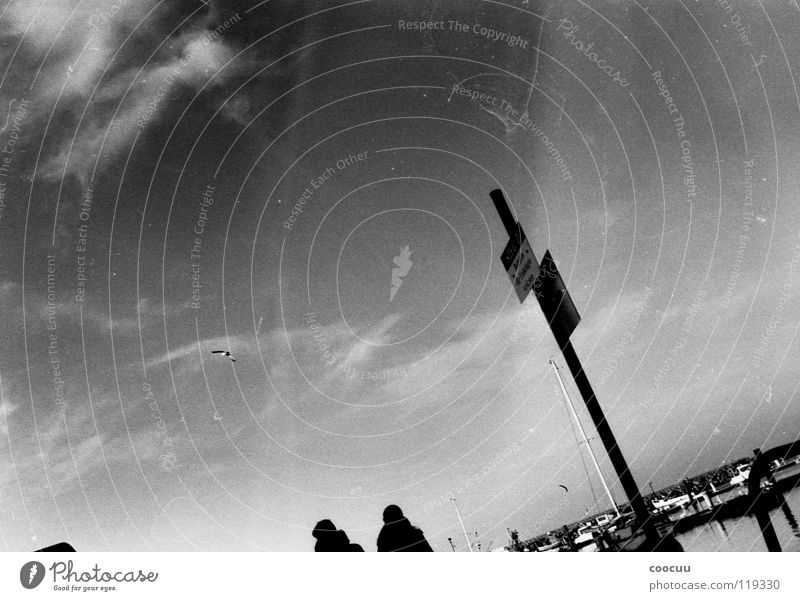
{"x":306,"y":186}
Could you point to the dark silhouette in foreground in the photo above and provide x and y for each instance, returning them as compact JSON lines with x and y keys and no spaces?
{"x":398,"y":534}
{"x":57,"y":548}
{"x":331,"y":539}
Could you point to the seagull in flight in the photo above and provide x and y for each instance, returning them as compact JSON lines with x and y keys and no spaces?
{"x":226,"y":353}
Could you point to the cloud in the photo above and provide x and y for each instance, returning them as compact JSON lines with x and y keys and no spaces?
{"x":92,"y":49}
{"x":68,"y":445}
{"x":7,"y":289}
{"x":237,"y":109}
{"x":234,"y":344}
{"x":360,"y":351}
{"x":124,"y":111}
{"x":7,"y":409}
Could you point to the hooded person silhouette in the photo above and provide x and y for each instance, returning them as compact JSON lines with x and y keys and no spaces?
{"x":331,"y":539}
{"x":398,"y":534}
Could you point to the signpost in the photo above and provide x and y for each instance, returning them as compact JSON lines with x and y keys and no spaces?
{"x":563,"y":317}
{"x":521,"y":265}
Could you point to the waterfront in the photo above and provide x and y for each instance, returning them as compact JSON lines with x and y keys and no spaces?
{"x":742,"y":533}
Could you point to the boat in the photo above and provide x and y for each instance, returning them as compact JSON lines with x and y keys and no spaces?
{"x":742,"y":473}
{"x":788,"y":469}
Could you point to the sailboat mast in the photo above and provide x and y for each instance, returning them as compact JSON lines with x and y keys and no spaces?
{"x":460,"y":521}
{"x":583,"y":434}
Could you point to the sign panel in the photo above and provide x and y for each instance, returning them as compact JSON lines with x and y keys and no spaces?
{"x":520,"y":263}
{"x":510,"y":251}
{"x":555,"y":301}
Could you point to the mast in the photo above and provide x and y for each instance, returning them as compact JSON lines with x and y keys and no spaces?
{"x":583,"y":434}
{"x":460,"y":521}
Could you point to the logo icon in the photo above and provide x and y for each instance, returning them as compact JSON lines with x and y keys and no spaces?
{"x":404,"y":263}
{"x":31,"y":574}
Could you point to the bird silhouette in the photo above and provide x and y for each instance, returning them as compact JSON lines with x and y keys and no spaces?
{"x":226,"y":353}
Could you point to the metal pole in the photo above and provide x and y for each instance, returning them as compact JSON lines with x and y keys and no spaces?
{"x":606,"y":435}
{"x":460,"y":521}
{"x":595,"y":412}
{"x":583,"y":434}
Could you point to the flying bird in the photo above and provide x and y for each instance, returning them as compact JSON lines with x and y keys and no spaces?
{"x":226,"y":353}
{"x":564,"y":487}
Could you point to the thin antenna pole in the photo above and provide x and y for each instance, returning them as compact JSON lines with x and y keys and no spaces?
{"x":460,"y":521}
{"x":583,"y":459}
{"x":583,"y":434}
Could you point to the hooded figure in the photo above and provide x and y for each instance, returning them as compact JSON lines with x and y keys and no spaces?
{"x":398,"y":534}
{"x":331,"y":539}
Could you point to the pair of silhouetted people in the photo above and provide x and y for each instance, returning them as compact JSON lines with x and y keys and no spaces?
{"x":397,"y":534}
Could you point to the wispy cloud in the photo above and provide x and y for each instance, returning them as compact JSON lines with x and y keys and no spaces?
{"x":234,"y":344}
{"x":92,"y":73}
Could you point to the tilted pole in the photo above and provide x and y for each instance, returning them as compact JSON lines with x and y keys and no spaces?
{"x":624,"y":474}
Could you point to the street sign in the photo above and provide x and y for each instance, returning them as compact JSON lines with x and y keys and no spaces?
{"x":511,"y":250}
{"x":563,"y":317}
{"x":520,"y":264}
{"x":555,"y":301}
